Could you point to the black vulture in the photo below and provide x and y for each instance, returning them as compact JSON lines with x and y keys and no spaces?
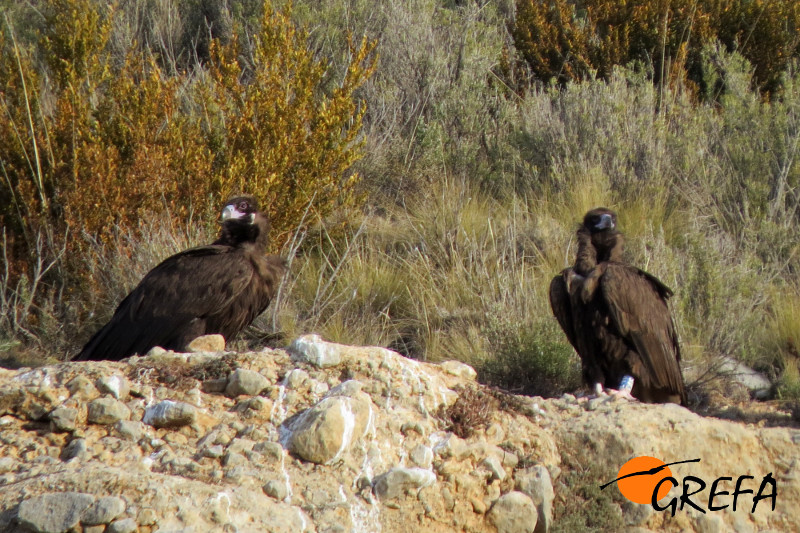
{"x":219,"y":288}
{"x":616,"y":317}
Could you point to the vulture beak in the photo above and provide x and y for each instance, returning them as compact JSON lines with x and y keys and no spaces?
{"x":231,"y":212}
{"x":606,"y":222}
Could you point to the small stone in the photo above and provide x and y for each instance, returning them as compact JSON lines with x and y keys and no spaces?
{"x":243,"y":381}
{"x":398,"y":480}
{"x":156,"y":351}
{"x":126,"y":525}
{"x":536,"y":482}
{"x":312,"y":349}
{"x":241,"y":445}
{"x":422,"y":456}
{"x":276,"y":489}
{"x":213,"y":452}
{"x":7,"y":465}
{"x":76,"y":448}
{"x":95,"y":529}
{"x":493,"y":464}
{"x":514,"y":512}
{"x":271,"y":450}
{"x":115,"y":385}
{"x":169,"y":414}
{"x":103,"y":511}
{"x":130,"y":430}
{"x":233,"y":459}
{"x":350,"y":388}
{"x":478,"y":505}
{"x":297,"y":379}
{"x":63,"y":419}
{"x":207,"y":343}
{"x":459,"y":369}
{"x":83,"y":388}
{"x":147,"y":517}
{"x":452,"y":446}
{"x":107,"y":411}
{"x":53,"y":512}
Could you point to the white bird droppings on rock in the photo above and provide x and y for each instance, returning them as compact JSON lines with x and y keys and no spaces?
{"x":312,"y":349}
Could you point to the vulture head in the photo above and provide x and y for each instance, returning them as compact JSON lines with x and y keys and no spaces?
{"x":242,"y":222}
{"x":598,"y":239}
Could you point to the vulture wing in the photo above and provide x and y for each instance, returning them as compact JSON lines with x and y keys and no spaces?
{"x":638,"y":308}
{"x":170,"y":304}
{"x":562,"y":308}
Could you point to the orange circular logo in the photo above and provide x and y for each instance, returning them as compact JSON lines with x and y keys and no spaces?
{"x":649,"y":471}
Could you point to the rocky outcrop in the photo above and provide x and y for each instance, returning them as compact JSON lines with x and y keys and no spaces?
{"x":326,"y":437}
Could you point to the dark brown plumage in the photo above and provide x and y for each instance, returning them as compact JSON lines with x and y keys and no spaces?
{"x":220,"y":288}
{"x":616,"y":316}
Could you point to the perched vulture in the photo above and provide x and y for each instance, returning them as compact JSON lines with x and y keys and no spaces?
{"x":219,"y":288}
{"x":616,"y":317}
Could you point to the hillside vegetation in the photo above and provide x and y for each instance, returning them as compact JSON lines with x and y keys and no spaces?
{"x":424,"y":174}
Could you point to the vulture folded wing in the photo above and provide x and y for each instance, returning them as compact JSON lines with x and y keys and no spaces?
{"x":562,"y":308}
{"x":171,"y":301}
{"x":639,"y":311}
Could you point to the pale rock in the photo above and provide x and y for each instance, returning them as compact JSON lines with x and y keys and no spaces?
{"x":54,"y":512}
{"x":276,"y":489}
{"x":297,"y":379}
{"x":103,"y":511}
{"x":245,"y":382}
{"x":313,"y":350}
{"x":81,"y":387}
{"x":126,"y":525}
{"x":63,"y":419}
{"x":147,"y":517}
{"x":459,"y":369}
{"x":130,"y":429}
{"x":115,"y":385}
{"x":156,"y":351}
{"x":398,"y":480}
{"x":495,"y":467}
{"x":536,"y":483}
{"x":452,"y":446}
{"x":325,"y":432}
{"x":168,"y":413}
{"x":350,"y":388}
{"x":77,"y":448}
{"x":106,"y":411}
{"x":207,"y":343}
{"x":514,"y":512}
{"x":422,"y":456}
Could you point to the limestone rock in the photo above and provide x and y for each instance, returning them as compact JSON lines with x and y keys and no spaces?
{"x":514,"y":512}
{"x":536,"y":483}
{"x":326,"y":431}
{"x":244,"y":381}
{"x":354,"y":447}
{"x":398,"y":480}
{"x":107,"y":411}
{"x":103,"y":511}
{"x":313,"y":350}
{"x":207,"y":343}
{"x":126,"y":525}
{"x":169,"y":414}
{"x":459,"y":369}
{"x":54,"y":512}
{"x":63,"y":418}
{"x":115,"y":385}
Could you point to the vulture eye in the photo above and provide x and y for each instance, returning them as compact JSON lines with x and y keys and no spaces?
{"x":243,"y":206}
